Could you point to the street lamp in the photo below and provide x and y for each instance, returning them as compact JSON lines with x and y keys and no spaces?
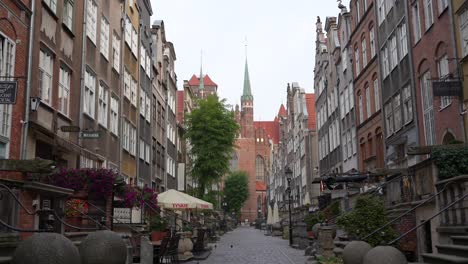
{"x":224,"y":204}
{"x":288,"y":174}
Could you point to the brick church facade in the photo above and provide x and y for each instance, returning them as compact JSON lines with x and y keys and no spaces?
{"x":254,"y":146}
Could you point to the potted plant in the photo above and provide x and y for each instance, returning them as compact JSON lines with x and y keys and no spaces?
{"x":311,"y":220}
{"x":158,"y":227}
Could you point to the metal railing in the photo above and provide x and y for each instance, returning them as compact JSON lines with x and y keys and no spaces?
{"x":429,"y":219}
{"x":408,"y":211}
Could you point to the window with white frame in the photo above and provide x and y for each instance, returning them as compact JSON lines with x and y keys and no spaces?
{"x":133,"y":92}
{"x":148,"y":108}
{"x":68,"y":14}
{"x":7,"y":62}
{"x":105,"y":37}
{"x":365,"y":5}
{"x":356,"y":58}
{"x":142,"y":149}
{"x":381,"y":10}
{"x":397,"y":117}
{"x":103,"y":105}
{"x":364,"y":52}
{"x":64,"y":91}
{"x":443,"y":4}
{"x":342,"y":110}
{"x":133,"y":140}
{"x":46,"y":63}
{"x":376,"y":95}
{"x":52,"y":4}
{"x":385,"y":66}
{"x":344,"y":58}
{"x":354,"y":140}
{"x":148,"y":65}
{"x":368,"y":102}
{"x":346,"y":101}
{"x":147,"y":153}
{"x":358,"y":12}
{"x":407,"y":105}
{"x":127,"y":84}
{"x":389,"y":118}
{"x":443,"y":68}
{"x":134,"y":42}
{"x":428,"y":13}
{"x":128,"y":32}
{"x":126,"y":135}
{"x":463,"y":21}
{"x":428,"y":108}
{"x":416,"y":22}
{"x":89,"y":100}
{"x":143,"y":57}
{"x":350,"y":145}
{"x":393,"y":53}
{"x":361,"y":109}
{"x":372,"y":41}
{"x":351,"y":96}
{"x":116,"y":52}
{"x":403,"y":40}
{"x":114,"y":115}
{"x":142,"y":101}
{"x":91,"y":20}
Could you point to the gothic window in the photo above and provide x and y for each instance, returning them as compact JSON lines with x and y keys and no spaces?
{"x":260,"y":168}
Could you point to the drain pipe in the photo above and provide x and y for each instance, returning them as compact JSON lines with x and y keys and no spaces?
{"x":82,"y":79}
{"x":24,"y":140}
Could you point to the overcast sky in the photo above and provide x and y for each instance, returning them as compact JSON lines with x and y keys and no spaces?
{"x":280,"y":36}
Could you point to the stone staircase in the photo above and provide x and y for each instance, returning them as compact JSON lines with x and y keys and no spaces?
{"x":8,"y":244}
{"x":456,"y":253}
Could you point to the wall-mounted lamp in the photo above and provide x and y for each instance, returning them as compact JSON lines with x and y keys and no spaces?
{"x":35,"y":102}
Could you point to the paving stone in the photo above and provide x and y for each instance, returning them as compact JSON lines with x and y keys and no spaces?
{"x":247,"y":245}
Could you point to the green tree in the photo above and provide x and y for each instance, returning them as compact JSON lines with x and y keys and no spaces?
{"x":368,"y":215}
{"x":236,"y":190}
{"x":211,"y":131}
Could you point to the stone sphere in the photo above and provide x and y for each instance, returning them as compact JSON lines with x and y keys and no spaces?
{"x":103,"y":247}
{"x":355,"y":251}
{"x":384,"y":255}
{"x":46,"y":248}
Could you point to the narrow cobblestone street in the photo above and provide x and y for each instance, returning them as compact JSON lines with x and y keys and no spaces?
{"x":247,"y":245}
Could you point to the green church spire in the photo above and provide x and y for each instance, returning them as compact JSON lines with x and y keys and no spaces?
{"x":247,"y":94}
{"x":202,"y":82}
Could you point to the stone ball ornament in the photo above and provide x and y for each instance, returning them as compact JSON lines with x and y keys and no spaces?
{"x":103,"y":247}
{"x":355,"y":251}
{"x":384,"y":255}
{"x":46,"y":248}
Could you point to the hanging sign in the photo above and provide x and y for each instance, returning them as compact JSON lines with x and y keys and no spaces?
{"x":8,"y":92}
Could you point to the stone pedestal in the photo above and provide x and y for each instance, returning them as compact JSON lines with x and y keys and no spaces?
{"x":325,"y":238}
{"x":146,"y":251}
{"x":185,"y":246}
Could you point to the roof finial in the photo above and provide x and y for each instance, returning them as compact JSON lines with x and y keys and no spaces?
{"x":245,"y":47}
{"x":202,"y":82}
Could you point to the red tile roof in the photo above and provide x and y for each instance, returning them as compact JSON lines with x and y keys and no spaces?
{"x":310,"y":103}
{"x":195,"y":81}
{"x":260,"y":186}
{"x":180,"y":106}
{"x":282,"y":111}
{"x":271,"y":129}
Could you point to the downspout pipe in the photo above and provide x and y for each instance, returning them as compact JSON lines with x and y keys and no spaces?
{"x":83,"y":71}
{"x":24,"y":140}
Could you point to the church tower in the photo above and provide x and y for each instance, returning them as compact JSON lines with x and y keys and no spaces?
{"x":247,"y":114}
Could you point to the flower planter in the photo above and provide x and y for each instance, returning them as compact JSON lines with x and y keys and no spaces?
{"x":158,"y":235}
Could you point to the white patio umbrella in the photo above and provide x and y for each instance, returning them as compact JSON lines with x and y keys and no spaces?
{"x":276,"y":218}
{"x":269,"y":216}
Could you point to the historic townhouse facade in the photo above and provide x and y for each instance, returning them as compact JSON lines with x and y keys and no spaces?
{"x":433,"y":52}
{"x":145,"y":124}
{"x":367,"y":89}
{"x":342,"y":60}
{"x":170,"y":81}
{"x":397,"y":83}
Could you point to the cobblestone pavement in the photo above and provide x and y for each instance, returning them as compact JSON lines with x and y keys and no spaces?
{"x":247,"y":245}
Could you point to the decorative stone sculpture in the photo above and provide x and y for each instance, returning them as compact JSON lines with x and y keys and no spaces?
{"x":103,"y":247}
{"x":325,"y":237}
{"x":384,"y":255}
{"x":46,"y":248}
{"x":355,"y":251}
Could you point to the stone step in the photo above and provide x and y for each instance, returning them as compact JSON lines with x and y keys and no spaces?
{"x":460,"y":240}
{"x":338,"y":251}
{"x":443,"y":259}
{"x":76,"y":236}
{"x":454,"y":250}
{"x":341,"y":244}
{"x":5,"y":260}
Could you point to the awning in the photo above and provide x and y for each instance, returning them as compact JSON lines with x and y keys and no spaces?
{"x":176,"y":200}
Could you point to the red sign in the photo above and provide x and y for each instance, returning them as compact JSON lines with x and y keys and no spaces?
{"x":177,"y":205}
{"x":205,"y":206}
